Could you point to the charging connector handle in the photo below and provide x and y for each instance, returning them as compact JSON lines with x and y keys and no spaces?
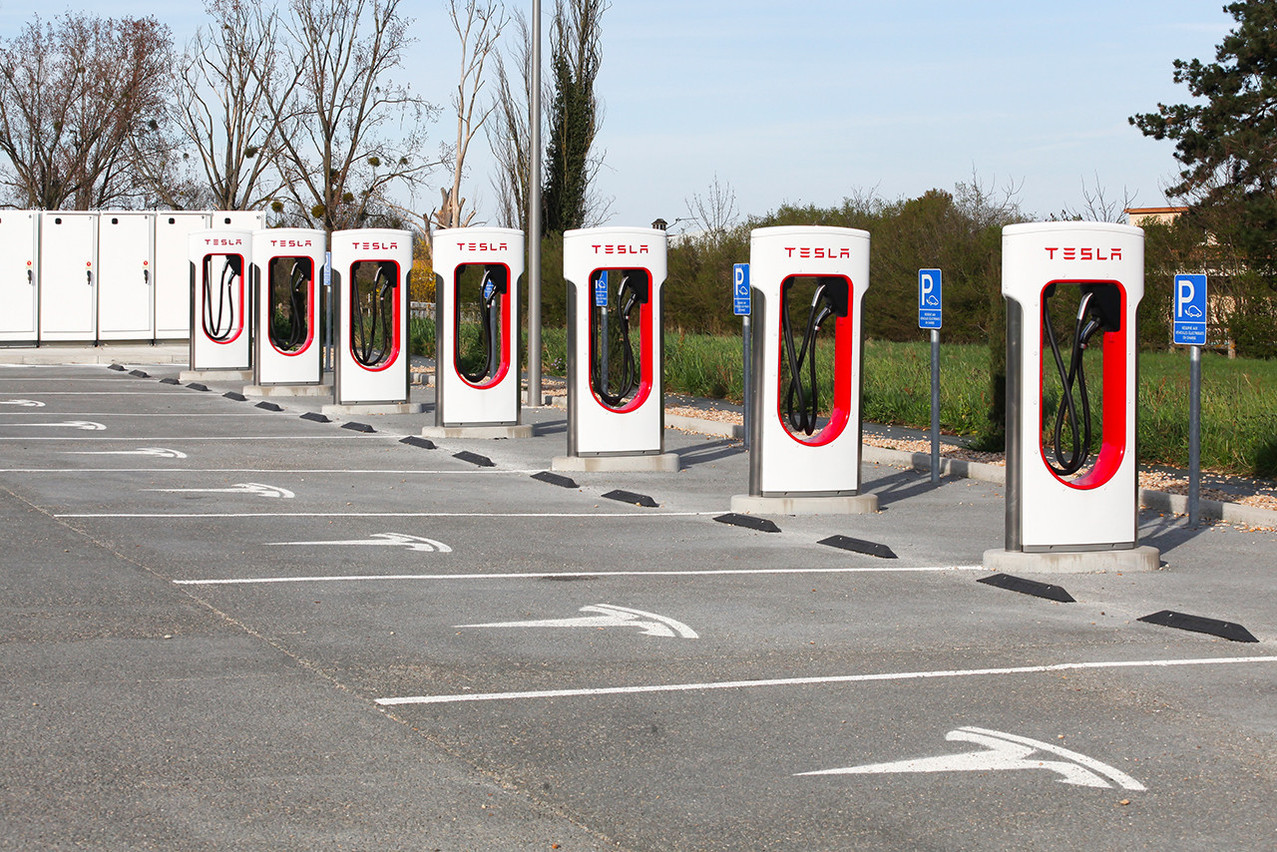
{"x":380,"y":320}
{"x":214,"y":328}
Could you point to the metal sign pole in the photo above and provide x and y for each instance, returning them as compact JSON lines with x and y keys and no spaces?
{"x":935,"y":405}
{"x":534,"y":214}
{"x":747,"y":390}
{"x":1194,"y":434}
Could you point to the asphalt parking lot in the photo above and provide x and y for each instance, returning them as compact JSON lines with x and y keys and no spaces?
{"x":225,"y":626}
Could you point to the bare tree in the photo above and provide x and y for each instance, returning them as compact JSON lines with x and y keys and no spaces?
{"x":73,"y":94}
{"x":478,"y":27}
{"x":986,"y":204}
{"x":348,"y":133}
{"x":508,"y":132}
{"x":715,"y":212}
{"x":1098,"y":206}
{"x":220,"y":109}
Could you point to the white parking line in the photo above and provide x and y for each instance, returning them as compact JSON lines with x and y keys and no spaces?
{"x":563,"y":575}
{"x":162,"y":515}
{"x":478,"y":471}
{"x":819,"y":681}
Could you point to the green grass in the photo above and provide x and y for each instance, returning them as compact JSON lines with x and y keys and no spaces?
{"x":1239,"y":397}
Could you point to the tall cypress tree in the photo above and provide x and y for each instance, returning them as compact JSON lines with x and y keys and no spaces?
{"x":574,"y":64}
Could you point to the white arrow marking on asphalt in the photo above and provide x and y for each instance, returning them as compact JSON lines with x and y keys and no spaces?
{"x":239,"y":488}
{"x":412,"y":542}
{"x":159,"y":452}
{"x":650,"y":623}
{"x":87,"y":425}
{"x":1002,"y":752}
{"x":25,"y":403}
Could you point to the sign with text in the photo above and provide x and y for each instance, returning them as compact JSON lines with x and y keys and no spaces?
{"x":600,"y":290}
{"x":1189,"y":310}
{"x":740,"y":290}
{"x":930,"y":299}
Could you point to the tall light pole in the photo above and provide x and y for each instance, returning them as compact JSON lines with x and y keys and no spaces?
{"x":534,"y":214}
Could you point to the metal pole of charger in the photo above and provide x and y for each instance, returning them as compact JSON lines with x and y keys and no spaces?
{"x":935,"y":405}
{"x":330,"y":353}
{"x":1194,"y":434}
{"x":747,"y":380}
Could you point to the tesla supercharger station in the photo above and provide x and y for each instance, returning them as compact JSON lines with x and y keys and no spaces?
{"x":616,"y":417}
{"x":68,"y":276}
{"x":1072,"y":290}
{"x":477,"y":274}
{"x":221,"y":325}
{"x":126,"y":276}
{"x":19,"y":276}
{"x":807,"y":289}
{"x":370,"y":287}
{"x":286,"y":270}
{"x":173,"y":231}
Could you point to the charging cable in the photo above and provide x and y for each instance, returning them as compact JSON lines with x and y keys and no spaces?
{"x":213,"y":328}
{"x":802,"y":399}
{"x":1073,"y":380}
{"x":380,"y":317}
{"x":629,"y":297}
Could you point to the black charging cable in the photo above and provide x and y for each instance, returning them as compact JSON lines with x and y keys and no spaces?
{"x":298,"y":281}
{"x":1073,"y":381}
{"x":629,"y":297}
{"x":802,"y":398}
{"x":380,"y":317}
{"x":231,"y":272}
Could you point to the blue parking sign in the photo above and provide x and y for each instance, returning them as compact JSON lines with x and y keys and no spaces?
{"x":600,"y":290}
{"x":930,"y":299}
{"x":1189,"y":310}
{"x":740,"y":290}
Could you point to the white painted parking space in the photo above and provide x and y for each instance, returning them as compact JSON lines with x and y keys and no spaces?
{"x":826,"y":680}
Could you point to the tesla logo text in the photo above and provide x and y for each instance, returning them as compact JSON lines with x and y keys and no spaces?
{"x":1083,"y":253}
{"x":292,"y":243}
{"x":374,"y":246}
{"x":483,"y":246}
{"x":224,"y":241}
{"x":621,"y":249}
{"x":819,"y":252}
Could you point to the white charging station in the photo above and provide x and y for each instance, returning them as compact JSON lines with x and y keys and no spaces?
{"x":221,"y":321}
{"x":477,"y":274}
{"x":173,"y":231}
{"x":616,"y":415}
{"x":370,"y":289}
{"x":126,"y":280}
{"x":19,"y":276}
{"x":1068,"y":509}
{"x":68,"y":276}
{"x":286,"y":270}
{"x":807,"y":286}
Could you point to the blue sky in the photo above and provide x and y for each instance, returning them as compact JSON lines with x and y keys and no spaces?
{"x":810,"y":102}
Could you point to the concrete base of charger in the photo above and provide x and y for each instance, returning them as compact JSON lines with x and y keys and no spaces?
{"x":1074,"y":561}
{"x":215,"y":376}
{"x":478,"y":432}
{"x":858,"y":504}
{"x":375,"y":408}
{"x":324,"y":388}
{"x":663,"y":463}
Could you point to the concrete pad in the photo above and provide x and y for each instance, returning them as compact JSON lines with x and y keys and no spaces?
{"x":663,"y":463}
{"x":1073,"y":562}
{"x":375,"y":408}
{"x":324,"y":388}
{"x":215,"y":376}
{"x":858,"y":504}
{"x":478,"y":432}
